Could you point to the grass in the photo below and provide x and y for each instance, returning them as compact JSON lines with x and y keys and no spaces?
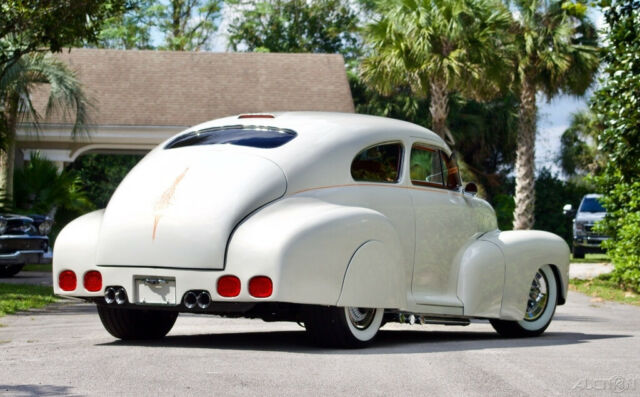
{"x":592,"y":258}
{"x":603,"y":287}
{"x":17,"y":297}
{"x":37,"y":268}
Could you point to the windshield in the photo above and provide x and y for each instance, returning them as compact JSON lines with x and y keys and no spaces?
{"x":254,"y":136}
{"x":591,"y":204}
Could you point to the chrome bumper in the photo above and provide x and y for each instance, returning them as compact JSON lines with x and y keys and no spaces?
{"x":24,"y":256}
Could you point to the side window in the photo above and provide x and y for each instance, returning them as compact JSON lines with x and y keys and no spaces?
{"x":378,"y":164}
{"x":451,"y":172}
{"x":426,"y":169}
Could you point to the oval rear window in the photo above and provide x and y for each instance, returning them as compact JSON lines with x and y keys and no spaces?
{"x":252,"y":136}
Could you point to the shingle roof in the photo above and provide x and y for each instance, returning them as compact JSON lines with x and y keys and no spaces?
{"x":169,"y":88}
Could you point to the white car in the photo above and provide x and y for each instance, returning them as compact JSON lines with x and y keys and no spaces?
{"x":342,"y":222}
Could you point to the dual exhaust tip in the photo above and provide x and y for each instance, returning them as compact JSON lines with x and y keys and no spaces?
{"x":115,"y":295}
{"x":118,"y":295}
{"x":202,"y":299}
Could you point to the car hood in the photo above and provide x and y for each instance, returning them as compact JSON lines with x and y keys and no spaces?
{"x":590,"y":217}
{"x":178,"y":207}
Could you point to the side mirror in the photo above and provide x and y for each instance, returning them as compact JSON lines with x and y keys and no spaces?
{"x":568,"y":210}
{"x":471,"y":188}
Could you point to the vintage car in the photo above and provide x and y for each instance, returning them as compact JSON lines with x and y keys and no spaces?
{"x":341,"y":222}
{"x":23,"y":240}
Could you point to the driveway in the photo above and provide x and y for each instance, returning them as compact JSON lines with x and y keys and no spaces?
{"x":591,"y":348}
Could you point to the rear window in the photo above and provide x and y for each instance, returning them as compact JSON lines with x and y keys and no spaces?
{"x":378,"y":164}
{"x":253,"y":136}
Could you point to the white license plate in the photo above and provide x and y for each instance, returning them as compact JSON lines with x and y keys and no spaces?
{"x":155,"y":290}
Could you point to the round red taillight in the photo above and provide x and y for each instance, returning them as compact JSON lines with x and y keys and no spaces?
{"x":229,"y":286}
{"x":67,"y":280}
{"x":260,"y":287}
{"x":93,"y":281}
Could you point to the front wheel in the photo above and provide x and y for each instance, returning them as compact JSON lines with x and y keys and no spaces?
{"x":347,"y":327}
{"x":541,"y":306}
{"x":129,"y":324}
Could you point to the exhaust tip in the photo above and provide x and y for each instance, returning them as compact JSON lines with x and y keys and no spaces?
{"x":121,"y":296}
{"x":204,"y":300}
{"x":110,"y":295}
{"x":190,"y":300}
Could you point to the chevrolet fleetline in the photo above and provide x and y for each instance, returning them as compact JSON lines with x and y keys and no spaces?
{"x":340,"y":222}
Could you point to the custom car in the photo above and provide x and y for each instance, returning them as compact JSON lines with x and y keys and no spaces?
{"x":340,"y":222}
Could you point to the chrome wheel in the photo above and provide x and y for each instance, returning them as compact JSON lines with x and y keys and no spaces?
{"x":538,"y":297}
{"x":361,"y":318}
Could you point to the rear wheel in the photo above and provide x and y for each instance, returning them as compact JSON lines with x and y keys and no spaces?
{"x":541,"y":305}
{"x":347,"y":327}
{"x":10,"y":270}
{"x":131,"y":324}
{"x":578,"y":253}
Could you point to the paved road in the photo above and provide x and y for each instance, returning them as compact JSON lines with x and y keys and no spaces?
{"x":591,"y":348}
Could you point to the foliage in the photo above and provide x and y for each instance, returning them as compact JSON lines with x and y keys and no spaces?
{"x":323,"y":26}
{"x":556,"y":46}
{"x":130,"y":29}
{"x":66,"y":96}
{"x":437,"y":47}
{"x":485,"y":139}
{"x":605,"y":288}
{"x":65,"y":92}
{"x":28,"y":26}
{"x":18,"y":297}
{"x":617,"y":107}
{"x":186,"y":25}
{"x":40,"y":188}
{"x":579,"y":154}
{"x":555,"y":51}
{"x":552,"y":194}
{"x":100,"y":174}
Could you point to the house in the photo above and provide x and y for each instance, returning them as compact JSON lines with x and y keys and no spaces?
{"x":140,"y":98}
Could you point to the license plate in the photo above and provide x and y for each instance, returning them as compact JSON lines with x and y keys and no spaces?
{"x":155,"y":290}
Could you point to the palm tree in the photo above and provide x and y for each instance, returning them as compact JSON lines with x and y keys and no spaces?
{"x":438,"y":47}
{"x":555,"y":51}
{"x":65,"y":96}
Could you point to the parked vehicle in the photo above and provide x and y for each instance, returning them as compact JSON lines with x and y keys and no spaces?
{"x":585,"y":238}
{"x":339,"y":221}
{"x":23,"y":240}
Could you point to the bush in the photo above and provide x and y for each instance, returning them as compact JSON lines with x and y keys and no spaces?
{"x":616,"y":105}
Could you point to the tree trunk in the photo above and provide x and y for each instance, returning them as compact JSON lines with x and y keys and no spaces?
{"x":439,"y":107}
{"x":7,"y":156}
{"x":523,"y":217}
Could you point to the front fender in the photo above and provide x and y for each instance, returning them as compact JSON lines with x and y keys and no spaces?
{"x":526,"y":251}
{"x":305,"y":245}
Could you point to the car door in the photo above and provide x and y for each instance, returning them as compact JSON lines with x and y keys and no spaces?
{"x":442,"y":224}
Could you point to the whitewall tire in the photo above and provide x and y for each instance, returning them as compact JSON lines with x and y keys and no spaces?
{"x":347,"y":327}
{"x":541,"y":306}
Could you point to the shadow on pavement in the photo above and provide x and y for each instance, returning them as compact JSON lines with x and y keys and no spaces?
{"x":387,"y":342}
{"x":34,"y":390}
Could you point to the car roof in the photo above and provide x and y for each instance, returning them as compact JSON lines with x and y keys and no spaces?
{"x":333,"y":127}
{"x":592,"y":195}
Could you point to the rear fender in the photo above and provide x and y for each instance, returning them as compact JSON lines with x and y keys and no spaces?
{"x":306,"y":245}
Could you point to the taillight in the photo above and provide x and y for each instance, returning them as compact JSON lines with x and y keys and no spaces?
{"x":67,"y":280}
{"x":229,"y":286}
{"x":93,"y":281}
{"x":260,"y":287}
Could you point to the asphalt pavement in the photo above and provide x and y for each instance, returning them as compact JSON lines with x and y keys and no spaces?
{"x":592,"y":348}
